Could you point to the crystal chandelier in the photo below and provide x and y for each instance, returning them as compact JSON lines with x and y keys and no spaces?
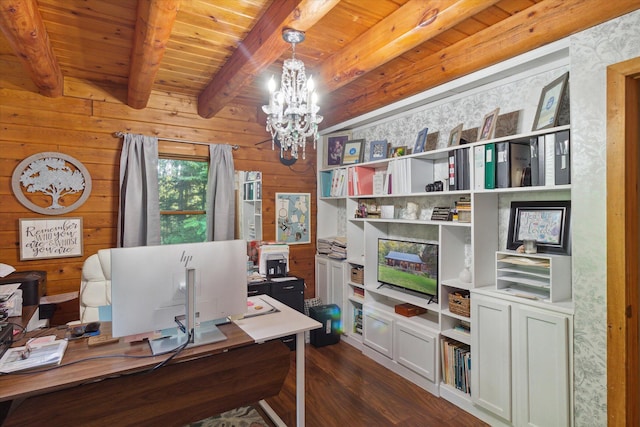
{"x":291,"y":113}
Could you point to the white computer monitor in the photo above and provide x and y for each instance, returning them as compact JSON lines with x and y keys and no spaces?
{"x":149,"y":290}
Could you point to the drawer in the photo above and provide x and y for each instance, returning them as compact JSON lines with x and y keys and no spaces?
{"x":258,"y":289}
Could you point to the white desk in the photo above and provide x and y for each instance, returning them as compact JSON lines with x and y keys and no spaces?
{"x":285,"y":322}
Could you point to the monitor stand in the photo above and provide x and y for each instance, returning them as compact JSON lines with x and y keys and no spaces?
{"x":204,"y":333}
{"x":173,"y":338}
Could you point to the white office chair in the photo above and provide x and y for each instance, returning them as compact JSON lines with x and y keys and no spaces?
{"x":95,"y":285}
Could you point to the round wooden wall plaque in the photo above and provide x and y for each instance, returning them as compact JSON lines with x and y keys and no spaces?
{"x":51,"y":183}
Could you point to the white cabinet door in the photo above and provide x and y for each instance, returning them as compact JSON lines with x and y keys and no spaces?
{"x":336,"y":280}
{"x":541,"y":367}
{"x":378,"y":331}
{"x":322,"y":279}
{"x":491,"y":355}
{"x":416,"y":349}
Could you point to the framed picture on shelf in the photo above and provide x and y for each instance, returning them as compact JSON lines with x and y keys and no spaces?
{"x":352,"y":152}
{"x":551,"y":99}
{"x":398,"y":151}
{"x":378,"y":150}
{"x":293,"y":212}
{"x":455,"y":135}
{"x":488,"y":127}
{"x":546,"y":222}
{"x":420,"y":141}
{"x":432,"y":141}
{"x":335,"y":147}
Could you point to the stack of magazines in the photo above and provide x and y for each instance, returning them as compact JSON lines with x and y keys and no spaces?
{"x":333,"y":247}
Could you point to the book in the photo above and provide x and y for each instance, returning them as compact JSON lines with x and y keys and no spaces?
{"x":363,"y":180}
{"x":378,"y":182}
{"x":490,"y":166}
{"x":562,"y":158}
{"x":33,"y":355}
{"x":478,"y":167}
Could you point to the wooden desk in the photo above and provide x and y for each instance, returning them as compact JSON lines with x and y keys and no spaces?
{"x":248,"y":367}
{"x":200,"y":382}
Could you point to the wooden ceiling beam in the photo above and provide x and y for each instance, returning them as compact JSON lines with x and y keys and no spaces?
{"x":154,"y":22}
{"x":414,"y":23}
{"x":22,"y":25}
{"x":538,"y":25}
{"x":262,"y":47}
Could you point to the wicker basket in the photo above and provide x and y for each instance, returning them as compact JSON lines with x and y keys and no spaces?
{"x":357,"y":275}
{"x":460,"y":304}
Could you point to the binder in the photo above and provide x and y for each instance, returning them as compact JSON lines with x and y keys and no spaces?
{"x":325,"y":183}
{"x":462,"y":172}
{"x":520,"y":164}
{"x":478,"y":167}
{"x":537,"y":160}
{"x":562,"y":158}
{"x":452,"y":170}
{"x":490,"y":166}
{"x":503,"y":173}
{"x":549,"y":159}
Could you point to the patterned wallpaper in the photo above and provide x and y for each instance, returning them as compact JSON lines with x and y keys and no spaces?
{"x":590,"y":53}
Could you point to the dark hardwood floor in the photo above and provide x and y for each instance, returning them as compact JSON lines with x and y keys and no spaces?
{"x":347,"y":389}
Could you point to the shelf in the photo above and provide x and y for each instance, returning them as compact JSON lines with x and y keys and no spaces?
{"x":456,"y":283}
{"x":464,"y":338}
{"x":411,"y":222}
{"x":405,"y":297}
{"x":446,"y":312}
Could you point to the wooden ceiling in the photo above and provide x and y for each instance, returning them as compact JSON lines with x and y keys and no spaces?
{"x":363,"y":54}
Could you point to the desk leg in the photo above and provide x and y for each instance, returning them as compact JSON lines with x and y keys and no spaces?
{"x":300,"y":379}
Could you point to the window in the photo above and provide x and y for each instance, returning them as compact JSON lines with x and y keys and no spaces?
{"x":182,"y":184}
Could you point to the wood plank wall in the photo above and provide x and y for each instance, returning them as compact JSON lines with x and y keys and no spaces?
{"x":82,"y":123}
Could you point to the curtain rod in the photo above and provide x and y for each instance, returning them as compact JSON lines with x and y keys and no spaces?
{"x":235,"y":147}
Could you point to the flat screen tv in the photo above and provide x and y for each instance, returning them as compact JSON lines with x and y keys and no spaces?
{"x":410,"y":266}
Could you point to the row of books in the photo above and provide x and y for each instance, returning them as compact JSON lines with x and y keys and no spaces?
{"x":333,"y":247}
{"x":357,"y":320}
{"x":456,"y":364}
{"x":542,"y":160}
{"x":333,"y":183}
{"x":252,"y":190}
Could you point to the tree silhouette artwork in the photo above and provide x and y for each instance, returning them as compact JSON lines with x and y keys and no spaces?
{"x":52,"y":177}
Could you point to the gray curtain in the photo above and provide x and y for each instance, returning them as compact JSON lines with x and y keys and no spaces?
{"x":139,"y":209}
{"x":220,"y":202}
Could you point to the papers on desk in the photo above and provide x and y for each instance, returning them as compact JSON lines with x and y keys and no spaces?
{"x":256,"y":306}
{"x":33,"y":355}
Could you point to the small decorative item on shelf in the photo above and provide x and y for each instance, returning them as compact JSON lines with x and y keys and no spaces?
{"x":460,"y":303}
{"x":441,"y":214}
{"x":434,"y":186}
{"x":411,"y":211}
{"x":465,"y":275}
{"x":409,"y":310}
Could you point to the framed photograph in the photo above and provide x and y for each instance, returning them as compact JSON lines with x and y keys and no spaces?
{"x":455,"y":135}
{"x":50,"y":238}
{"x":546,"y":222}
{"x":420,"y":141}
{"x":550,"y":102}
{"x":378,"y":150}
{"x":488,"y":127}
{"x":352,"y":152}
{"x":334,"y":148}
{"x":432,"y":141}
{"x":398,"y":151}
{"x":293,"y":213}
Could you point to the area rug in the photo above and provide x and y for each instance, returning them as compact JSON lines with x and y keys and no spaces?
{"x":246,"y":416}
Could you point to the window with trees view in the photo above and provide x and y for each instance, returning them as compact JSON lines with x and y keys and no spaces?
{"x":183,"y":186}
